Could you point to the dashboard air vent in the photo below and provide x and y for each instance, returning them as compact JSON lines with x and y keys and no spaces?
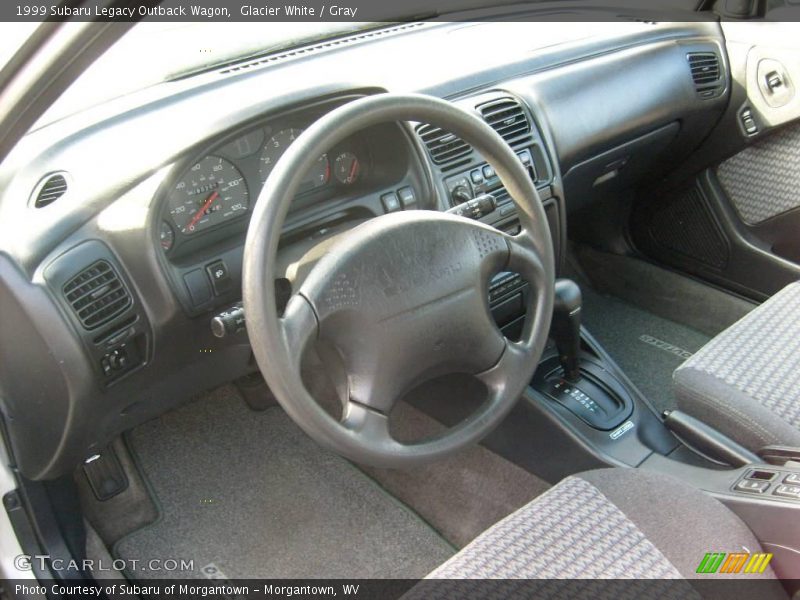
{"x":507,"y":118}
{"x":444,"y":147}
{"x":97,"y":295}
{"x":705,"y":72}
{"x":50,"y":190}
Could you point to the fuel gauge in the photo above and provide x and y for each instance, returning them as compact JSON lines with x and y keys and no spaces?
{"x":166,"y":236}
{"x":347,"y":168}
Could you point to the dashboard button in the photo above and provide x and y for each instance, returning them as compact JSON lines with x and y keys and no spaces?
{"x":407,"y":196}
{"x":220,"y":278}
{"x":476,"y":176}
{"x":391,"y":202}
{"x":488,"y":171}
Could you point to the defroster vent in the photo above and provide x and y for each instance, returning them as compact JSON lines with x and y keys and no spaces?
{"x":50,"y":190}
{"x":97,"y":295}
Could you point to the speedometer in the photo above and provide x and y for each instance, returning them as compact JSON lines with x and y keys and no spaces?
{"x":211,"y":192}
{"x":320,"y":173}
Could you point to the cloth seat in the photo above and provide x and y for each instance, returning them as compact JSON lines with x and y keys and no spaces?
{"x":605,"y":524}
{"x":746,"y":381}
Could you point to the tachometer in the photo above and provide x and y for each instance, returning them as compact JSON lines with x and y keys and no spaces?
{"x":211,"y":192}
{"x":320,"y":173}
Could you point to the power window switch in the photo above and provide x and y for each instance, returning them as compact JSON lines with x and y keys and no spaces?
{"x":751,"y":486}
{"x":792,"y":478}
{"x":749,"y":122}
{"x":787,"y":491}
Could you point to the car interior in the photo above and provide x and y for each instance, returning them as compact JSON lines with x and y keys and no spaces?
{"x":457,"y":300}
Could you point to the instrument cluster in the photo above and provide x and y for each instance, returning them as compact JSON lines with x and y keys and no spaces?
{"x":220,"y":187}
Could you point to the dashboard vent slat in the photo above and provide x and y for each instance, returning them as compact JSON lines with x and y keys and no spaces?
{"x":53,"y":187}
{"x":507,"y":118}
{"x":444,"y":147}
{"x":705,"y":70}
{"x":97,"y":295}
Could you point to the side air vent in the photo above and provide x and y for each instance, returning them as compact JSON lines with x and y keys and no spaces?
{"x":507,"y":118}
{"x":51,"y":189}
{"x":705,"y":72}
{"x":97,"y":295}
{"x":444,"y":147}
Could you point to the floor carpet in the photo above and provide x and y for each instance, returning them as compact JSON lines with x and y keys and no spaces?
{"x":248,"y":494}
{"x":647,"y":347}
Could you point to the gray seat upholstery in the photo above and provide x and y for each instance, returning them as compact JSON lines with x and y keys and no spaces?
{"x":746,"y":381}
{"x":604,"y":524}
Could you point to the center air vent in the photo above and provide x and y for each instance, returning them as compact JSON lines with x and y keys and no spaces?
{"x":705,"y":72}
{"x":506,"y":117}
{"x":444,"y":147}
{"x":97,"y":295}
{"x":50,"y":190}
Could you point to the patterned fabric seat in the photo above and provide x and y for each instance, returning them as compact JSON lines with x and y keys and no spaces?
{"x":746,"y":381}
{"x":623,"y":524}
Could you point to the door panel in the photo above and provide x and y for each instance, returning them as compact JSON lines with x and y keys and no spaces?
{"x":737,"y":222}
{"x":763,"y":181}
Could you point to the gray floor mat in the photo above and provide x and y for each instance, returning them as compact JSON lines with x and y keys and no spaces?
{"x":462,"y":495}
{"x":254,"y":496}
{"x":647,"y":347}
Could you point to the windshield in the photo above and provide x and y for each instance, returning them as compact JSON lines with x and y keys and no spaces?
{"x":154,"y":52}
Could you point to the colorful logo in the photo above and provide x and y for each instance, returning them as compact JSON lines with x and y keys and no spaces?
{"x":735,"y":562}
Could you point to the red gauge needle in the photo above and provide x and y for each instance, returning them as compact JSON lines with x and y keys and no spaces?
{"x":214,"y":195}
{"x":353,"y":170}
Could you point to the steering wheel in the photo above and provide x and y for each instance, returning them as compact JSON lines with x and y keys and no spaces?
{"x":402,"y":298}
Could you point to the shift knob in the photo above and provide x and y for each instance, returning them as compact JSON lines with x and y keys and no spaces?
{"x":566,"y":327}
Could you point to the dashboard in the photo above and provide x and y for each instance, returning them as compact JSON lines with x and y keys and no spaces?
{"x":114,"y":284}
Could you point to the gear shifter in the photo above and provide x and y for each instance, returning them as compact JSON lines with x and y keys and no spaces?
{"x":584,"y":387}
{"x":566,"y":327}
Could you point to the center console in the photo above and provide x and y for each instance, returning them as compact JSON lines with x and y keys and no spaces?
{"x":581,"y":412}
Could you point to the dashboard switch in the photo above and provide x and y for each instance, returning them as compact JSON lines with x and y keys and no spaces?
{"x":748,"y":122}
{"x":391,"y":202}
{"x":220,"y":278}
{"x":407,"y":196}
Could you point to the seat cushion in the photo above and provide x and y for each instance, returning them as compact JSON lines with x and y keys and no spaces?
{"x":746,"y":381}
{"x":609,"y":523}
{"x":605,"y":524}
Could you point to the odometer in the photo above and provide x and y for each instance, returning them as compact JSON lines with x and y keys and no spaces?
{"x":211,"y":192}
